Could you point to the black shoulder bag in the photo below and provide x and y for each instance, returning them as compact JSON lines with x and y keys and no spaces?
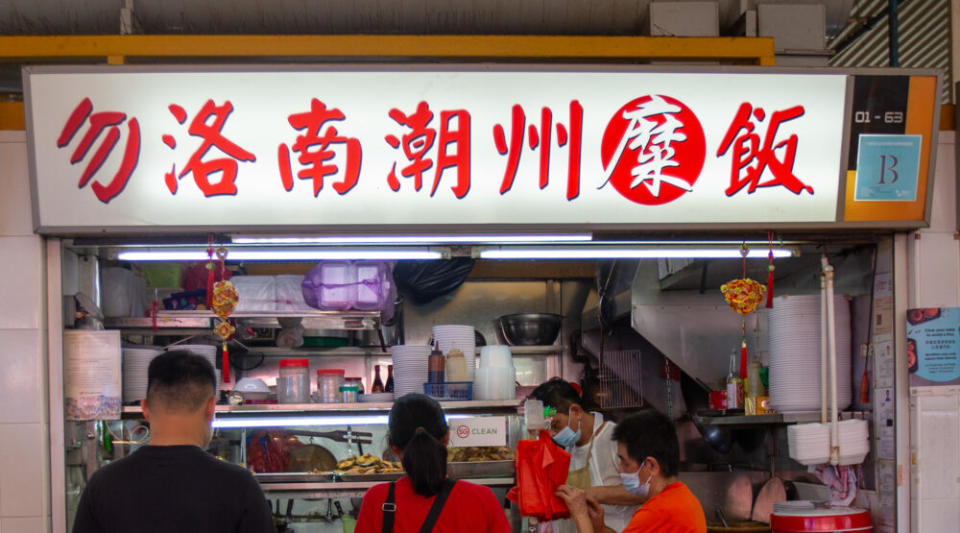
{"x":389,"y":508}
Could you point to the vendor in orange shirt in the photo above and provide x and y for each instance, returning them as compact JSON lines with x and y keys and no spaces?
{"x":649,"y":456}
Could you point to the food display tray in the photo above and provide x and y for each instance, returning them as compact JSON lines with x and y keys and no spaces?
{"x":462,"y":470}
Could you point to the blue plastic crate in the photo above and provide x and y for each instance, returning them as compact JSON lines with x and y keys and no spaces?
{"x":452,"y":391}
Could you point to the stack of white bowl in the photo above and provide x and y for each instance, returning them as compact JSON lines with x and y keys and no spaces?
{"x":794,"y":326}
{"x":809,"y":444}
{"x":496,"y":378}
{"x":136,"y":361}
{"x":448,"y":337}
{"x":854,"y":442}
{"x":409,"y":368}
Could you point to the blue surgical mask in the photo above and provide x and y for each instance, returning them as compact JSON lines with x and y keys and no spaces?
{"x":631,"y":482}
{"x":566,"y":438}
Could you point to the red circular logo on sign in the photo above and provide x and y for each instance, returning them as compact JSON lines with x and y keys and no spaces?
{"x":653,"y":150}
{"x":463,"y":432}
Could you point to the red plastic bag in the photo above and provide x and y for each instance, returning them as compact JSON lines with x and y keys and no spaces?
{"x":542,"y":466}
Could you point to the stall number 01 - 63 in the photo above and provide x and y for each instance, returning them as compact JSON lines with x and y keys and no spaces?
{"x":889,"y":117}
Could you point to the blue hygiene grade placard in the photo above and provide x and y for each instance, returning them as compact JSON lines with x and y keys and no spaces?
{"x":933,"y":345}
{"x":887,"y":168}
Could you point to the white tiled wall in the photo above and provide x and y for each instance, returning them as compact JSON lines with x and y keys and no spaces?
{"x":24,"y":435}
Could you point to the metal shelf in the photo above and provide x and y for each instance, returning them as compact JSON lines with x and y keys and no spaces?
{"x":204,"y":320}
{"x":772,"y":419}
{"x":367,"y":351}
{"x":482,"y":406}
{"x":352,"y":489}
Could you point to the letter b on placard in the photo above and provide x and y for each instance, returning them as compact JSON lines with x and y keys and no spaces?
{"x":888,"y":169}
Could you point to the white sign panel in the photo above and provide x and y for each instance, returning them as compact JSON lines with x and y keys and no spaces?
{"x":131,"y":147}
{"x":478,"y":431}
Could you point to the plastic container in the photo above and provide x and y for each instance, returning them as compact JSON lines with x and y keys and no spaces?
{"x":330,"y":285}
{"x":329,"y":381}
{"x":450,"y":391}
{"x":349,"y":393}
{"x":344,"y":285}
{"x":256,"y":294}
{"x":374,"y":280}
{"x":290,"y":293}
{"x":354,"y":381}
{"x":293,"y":383}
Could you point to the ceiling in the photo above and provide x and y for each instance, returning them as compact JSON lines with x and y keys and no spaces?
{"x":533,"y":17}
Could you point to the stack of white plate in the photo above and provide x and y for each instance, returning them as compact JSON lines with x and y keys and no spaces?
{"x":448,"y":337}
{"x":207,"y":351}
{"x":409,"y":368}
{"x":136,"y":361}
{"x":854,"y":442}
{"x":809,"y":444}
{"x":794,"y":326}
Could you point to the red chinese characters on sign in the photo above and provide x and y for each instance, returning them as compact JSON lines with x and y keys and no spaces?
{"x":315,"y":150}
{"x":541,"y":140}
{"x":747,"y":150}
{"x":653,"y":150}
{"x":108,"y":121}
{"x":212,"y":135}
{"x":418,"y":141}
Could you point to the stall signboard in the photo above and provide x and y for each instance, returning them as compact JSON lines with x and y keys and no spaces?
{"x":478,"y":431}
{"x":933,"y":346}
{"x":162,"y":148}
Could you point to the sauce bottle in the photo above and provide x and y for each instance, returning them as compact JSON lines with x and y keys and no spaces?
{"x":377,"y":384}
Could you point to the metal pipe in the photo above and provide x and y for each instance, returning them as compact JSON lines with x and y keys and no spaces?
{"x":893,"y":24}
{"x":823,"y":348}
{"x":832,"y":349}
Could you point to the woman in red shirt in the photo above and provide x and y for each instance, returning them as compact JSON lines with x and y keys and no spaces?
{"x":425,"y":500}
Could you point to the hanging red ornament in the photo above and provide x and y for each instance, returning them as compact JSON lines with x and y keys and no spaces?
{"x":223,"y":299}
{"x":743,"y":295}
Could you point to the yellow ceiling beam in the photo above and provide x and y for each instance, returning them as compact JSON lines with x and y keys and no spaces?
{"x":753,"y":50}
{"x":11,"y":116}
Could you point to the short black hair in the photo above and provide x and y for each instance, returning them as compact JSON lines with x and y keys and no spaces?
{"x":180,"y":381}
{"x":557,"y":393}
{"x":650,"y":433}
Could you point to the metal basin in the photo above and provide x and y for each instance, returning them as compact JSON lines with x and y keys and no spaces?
{"x":530,"y":329}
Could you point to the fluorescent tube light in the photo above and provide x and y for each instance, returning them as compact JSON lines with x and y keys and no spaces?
{"x":300,"y":421}
{"x":282,"y":255}
{"x":416,"y":239}
{"x":625,"y":252}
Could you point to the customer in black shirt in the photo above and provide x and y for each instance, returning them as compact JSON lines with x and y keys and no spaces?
{"x":173,"y":485}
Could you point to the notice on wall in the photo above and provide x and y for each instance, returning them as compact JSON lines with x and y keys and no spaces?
{"x":885,"y":424}
{"x":478,"y":431}
{"x":884,"y":362}
{"x":91,"y":374}
{"x":933,"y":346}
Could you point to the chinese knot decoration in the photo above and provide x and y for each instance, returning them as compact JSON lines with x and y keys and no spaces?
{"x":743,"y":295}
{"x":223,"y":302}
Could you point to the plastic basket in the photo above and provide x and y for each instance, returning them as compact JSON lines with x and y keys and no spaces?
{"x":451,"y":391}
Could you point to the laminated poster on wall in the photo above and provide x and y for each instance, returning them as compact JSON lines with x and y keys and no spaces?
{"x":91,"y":373}
{"x":885,"y":424}
{"x":884,"y":363}
{"x":933,"y":346}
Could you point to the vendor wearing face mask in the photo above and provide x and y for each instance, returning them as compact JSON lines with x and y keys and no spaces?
{"x":649,"y":456}
{"x":593,"y":465}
